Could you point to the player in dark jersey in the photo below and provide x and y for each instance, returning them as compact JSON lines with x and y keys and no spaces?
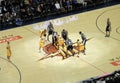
{"x":64,"y":34}
{"x":108,"y":28}
{"x":83,"y":37}
{"x":50,"y":30}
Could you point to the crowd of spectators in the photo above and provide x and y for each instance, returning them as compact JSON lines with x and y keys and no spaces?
{"x":113,"y":77}
{"x":16,"y":12}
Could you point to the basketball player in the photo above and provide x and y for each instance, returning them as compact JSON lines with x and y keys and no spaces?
{"x":81,"y":47}
{"x":8,"y":51}
{"x":60,"y":42}
{"x":108,"y":28}
{"x":50,"y":30}
{"x":70,"y":48}
{"x":54,"y":38}
{"x":83,"y":37}
{"x":42,"y":33}
{"x":65,"y":50}
{"x":64,"y":34}
{"x":41,"y":44}
{"x":62,"y":53}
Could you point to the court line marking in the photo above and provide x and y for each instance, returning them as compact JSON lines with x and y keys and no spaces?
{"x":93,"y":66}
{"x":99,"y":18}
{"x":31,"y":31}
{"x":20,"y":77}
{"x":117,"y":30}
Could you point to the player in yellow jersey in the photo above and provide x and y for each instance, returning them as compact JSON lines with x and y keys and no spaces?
{"x":60,"y":42}
{"x":8,"y":51}
{"x":42,"y":33}
{"x":41,"y":44}
{"x":81,"y":47}
{"x":67,"y":52}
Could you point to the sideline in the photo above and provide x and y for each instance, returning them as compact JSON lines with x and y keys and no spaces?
{"x":20,"y":78}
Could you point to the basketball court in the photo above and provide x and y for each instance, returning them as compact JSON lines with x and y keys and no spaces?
{"x":102,"y":53}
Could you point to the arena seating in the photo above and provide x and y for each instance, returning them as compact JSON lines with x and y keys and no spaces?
{"x":113,"y":77}
{"x":29,"y":10}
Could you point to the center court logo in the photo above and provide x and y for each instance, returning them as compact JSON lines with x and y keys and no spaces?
{"x":10,"y":39}
{"x":115,"y":61}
